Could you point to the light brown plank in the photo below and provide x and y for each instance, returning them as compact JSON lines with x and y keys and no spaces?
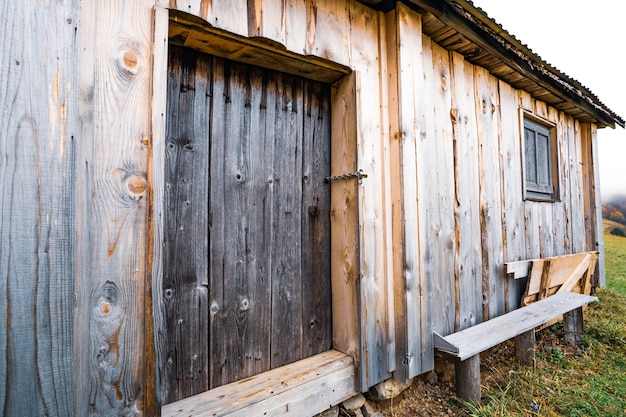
{"x":114,"y":96}
{"x":302,"y":388}
{"x":344,"y":219}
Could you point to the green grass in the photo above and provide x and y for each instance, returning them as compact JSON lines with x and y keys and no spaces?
{"x":586,"y":381}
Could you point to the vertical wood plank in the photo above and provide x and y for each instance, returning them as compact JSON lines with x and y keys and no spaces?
{"x":558,"y":207}
{"x":404,"y":44}
{"x":114,"y":96}
{"x":229,"y":15}
{"x":266,"y":18}
{"x":375,"y":338}
{"x":287,"y":291}
{"x":512,"y":187}
{"x":155,"y":320}
{"x":316,"y":285}
{"x":430,"y":230}
{"x":600,"y":276}
{"x":564,"y":135}
{"x":441,"y":157}
{"x":328,"y":29}
{"x":37,"y":204}
{"x":185,"y":280}
{"x":576,"y":191}
{"x":296,"y":25}
{"x":344,"y":220}
{"x":486,"y":88}
{"x":468,"y":264}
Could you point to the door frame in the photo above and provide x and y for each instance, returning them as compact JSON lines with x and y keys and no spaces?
{"x":193,"y":32}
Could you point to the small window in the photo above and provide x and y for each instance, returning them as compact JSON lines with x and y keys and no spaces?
{"x":540,"y":167}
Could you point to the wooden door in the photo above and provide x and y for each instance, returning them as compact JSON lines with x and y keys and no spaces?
{"x":246,"y":277}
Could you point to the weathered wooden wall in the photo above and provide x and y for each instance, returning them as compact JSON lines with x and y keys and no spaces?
{"x":426,"y":234}
{"x":457,"y":153}
{"x":38,"y":136}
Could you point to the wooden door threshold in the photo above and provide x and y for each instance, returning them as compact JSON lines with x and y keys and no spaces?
{"x":303,"y":388}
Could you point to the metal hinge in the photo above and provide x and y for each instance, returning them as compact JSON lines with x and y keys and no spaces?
{"x":359,"y":175}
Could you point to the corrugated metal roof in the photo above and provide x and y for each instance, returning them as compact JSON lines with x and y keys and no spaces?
{"x":460,"y":26}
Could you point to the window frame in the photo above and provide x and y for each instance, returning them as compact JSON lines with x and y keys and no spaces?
{"x":534,"y":190}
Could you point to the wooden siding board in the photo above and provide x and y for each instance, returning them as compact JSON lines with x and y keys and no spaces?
{"x":513,"y":203}
{"x":328,"y":30}
{"x":443,"y":156}
{"x":296,"y":18}
{"x":155,"y":321}
{"x":597,"y":201}
{"x":37,"y":206}
{"x":316,"y":289}
{"x":114,"y":97}
{"x":344,"y":220}
{"x":468,"y":265}
{"x":366,"y":60}
{"x":558,"y":220}
{"x":266,"y":19}
{"x":405,"y":53}
{"x":287,"y":220}
{"x":487,"y":96}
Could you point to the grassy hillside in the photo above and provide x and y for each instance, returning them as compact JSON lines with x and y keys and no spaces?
{"x":585,"y":381}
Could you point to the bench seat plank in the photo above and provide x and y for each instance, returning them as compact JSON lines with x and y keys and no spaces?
{"x":478,"y":338}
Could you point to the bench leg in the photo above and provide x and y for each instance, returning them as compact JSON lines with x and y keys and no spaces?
{"x":467,"y":375}
{"x":525,"y":348}
{"x":573,"y":326}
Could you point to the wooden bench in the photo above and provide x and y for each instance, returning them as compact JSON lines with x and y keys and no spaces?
{"x":467,"y":344}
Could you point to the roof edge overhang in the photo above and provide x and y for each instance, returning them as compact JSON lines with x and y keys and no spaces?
{"x":490,"y":38}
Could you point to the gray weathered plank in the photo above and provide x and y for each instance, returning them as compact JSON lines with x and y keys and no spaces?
{"x":38,"y":127}
{"x":476,"y":339}
{"x":185,"y":279}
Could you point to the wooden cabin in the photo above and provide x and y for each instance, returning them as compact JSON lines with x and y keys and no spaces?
{"x":197,"y":194}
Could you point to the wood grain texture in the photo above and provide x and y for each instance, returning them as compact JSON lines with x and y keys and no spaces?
{"x":306,"y":387}
{"x":376,"y":340}
{"x":247,"y":223}
{"x":111,"y":211}
{"x":436,"y":188}
{"x":476,"y":339}
{"x":512,"y":191}
{"x":38,"y":127}
{"x":468,"y":264}
{"x":155,"y":310}
{"x":344,"y":221}
{"x":486,"y":96}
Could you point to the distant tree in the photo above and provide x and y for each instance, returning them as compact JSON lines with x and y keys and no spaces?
{"x":617,"y":216}
{"x":618,"y":231}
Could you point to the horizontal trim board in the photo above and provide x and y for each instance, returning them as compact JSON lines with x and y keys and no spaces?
{"x":306,"y":387}
{"x":195,"y":33}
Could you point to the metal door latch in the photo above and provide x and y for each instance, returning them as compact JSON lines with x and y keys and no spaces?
{"x":359,"y":175}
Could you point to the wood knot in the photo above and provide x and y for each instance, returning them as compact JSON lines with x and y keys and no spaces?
{"x":130,"y":60}
{"x":454,"y":115}
{"x":137,"y":185}
{"x":105,"y":307}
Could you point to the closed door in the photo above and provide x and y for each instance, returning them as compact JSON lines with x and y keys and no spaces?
{"x":246,"y":277}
